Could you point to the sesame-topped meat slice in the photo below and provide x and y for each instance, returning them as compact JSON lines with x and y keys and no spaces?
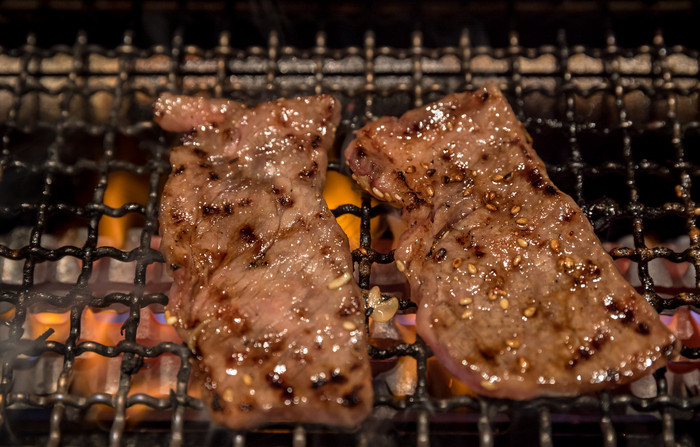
{"x":263,"y":290}
{"x":515,"y":293}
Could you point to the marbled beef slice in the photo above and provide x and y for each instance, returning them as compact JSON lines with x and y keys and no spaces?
{"x":263,"y":290}
{"x":515,"y":293}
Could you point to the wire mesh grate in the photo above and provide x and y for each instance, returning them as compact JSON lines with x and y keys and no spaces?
{"x":92,"y":103}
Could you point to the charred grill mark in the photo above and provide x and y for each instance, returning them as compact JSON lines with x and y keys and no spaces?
{"x":588,"y":350}
{"x":216,"y":402}
{"x":642,"y":328}
{"x":208,"y":210}
{"x":205,"y":165}
{"x":623,"y":313}
{"x":308,"y":173}
{"x":352,"y":399}
{"x":178,"y":217}
{"x":248,"y":235}
{"x":233,"y":160}
{"x":180,"y":169}
{"x":337,"y":377}
{"x":285,"y":201}
{"x":535,"y":178}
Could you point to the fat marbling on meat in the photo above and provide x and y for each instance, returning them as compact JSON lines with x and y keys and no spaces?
{"x":516,"y":295}
{"x":263,"y":291}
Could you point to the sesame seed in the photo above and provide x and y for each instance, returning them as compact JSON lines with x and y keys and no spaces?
{"x":554,"y":244}
{"x":354,"y":177}
{"x":423,"y":165}
{"x":169,"y":318}
{"x":466,"y":301}
{"x":467,"y":314}
{"x":472,"y":269}
{"x":497,"y":178}
{"x":400,"y":266}
{"x":377,"y":192}
{"x":490,"y":386}
{"x":430,"y":191}
{"x":411,"y":169}
{"x":515,"y":210}
{"x":513,"y":343}
{"x":492,"y":195}
{"x":468,"y":191}
{"x":568,"y":262}
{"x":504,"y":303}
{"x":679,"y":191}
{"x":385,"y":310}
{"x":339,"y":281}
{"x":397,"y":197}
{"x":491,"y":207}
{"x":524,"y":364}
{"x":374,"y":297}
{"x":522,"y":242}
{"x":495,"y":293}
{"x":458,"y":177}
{"x":349,"y":325}
{"x":227,"y":395}
{"x":529,"y":312}
{"x":521,"y":221}
{"x":475,"y":173}
{"x":456,"y":262}
{"x":247,"y":379}
{"x":363,"y":250}
{"x":516,"y":260}
{"x":697,"y":211}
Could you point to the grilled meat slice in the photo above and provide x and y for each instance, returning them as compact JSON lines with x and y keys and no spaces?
{"x":515,"y":293}
{"x":263,"y":289}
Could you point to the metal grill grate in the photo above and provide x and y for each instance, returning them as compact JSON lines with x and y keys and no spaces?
{"x":67,"y":112}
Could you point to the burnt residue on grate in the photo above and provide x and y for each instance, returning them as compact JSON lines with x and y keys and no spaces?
{"x":617,"y":126}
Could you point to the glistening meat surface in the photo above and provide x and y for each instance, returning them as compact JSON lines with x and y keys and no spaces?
{"x":263,"y":291}
{"x":515,"y":293}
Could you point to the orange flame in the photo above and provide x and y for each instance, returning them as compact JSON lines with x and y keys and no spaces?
{"x":122,"y":187}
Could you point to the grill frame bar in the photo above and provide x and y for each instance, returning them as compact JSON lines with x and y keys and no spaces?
{"x":664,"y":83}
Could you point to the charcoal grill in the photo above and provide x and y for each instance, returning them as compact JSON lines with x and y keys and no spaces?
{"x":614,"y":112}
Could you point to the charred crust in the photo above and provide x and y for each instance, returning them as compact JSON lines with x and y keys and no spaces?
{"x":317,"y":382}
{"x":246,"y":407}
{"x":208,"y":210}
{"x":199,"y":153}
{"x":177,"y":217}
{"x":478,"y":252}
{"x":213,"y":176}
{"x":315,"y":142}
{"x":488,"y":354}
{"x":446,"y":156}
{"x":285,"y":201}
{"x":642,"y":328}
{"x":352,"y":399}
{"x":446,"y":179}
{"x":337,"y":377}
{"x":228,"y":208}
{"x":514,"y":141}
{"x":216,"y":402}
{"x":233,"y":160}
{"x":550,"y":190}
{"x":535,"y":178}
{"x":430,"y":172}
{"x":180,"y":169}
{"x":205,"y":165}
{"x":484,"y":157}
{"x":588,"y":350}
{"x":401,"y":176}
{"x":247,"y":234}
{"x":484,"y":96}
{"x":308,"y":173}
{"x":244,"y":202}
{"x":360,"y":152}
